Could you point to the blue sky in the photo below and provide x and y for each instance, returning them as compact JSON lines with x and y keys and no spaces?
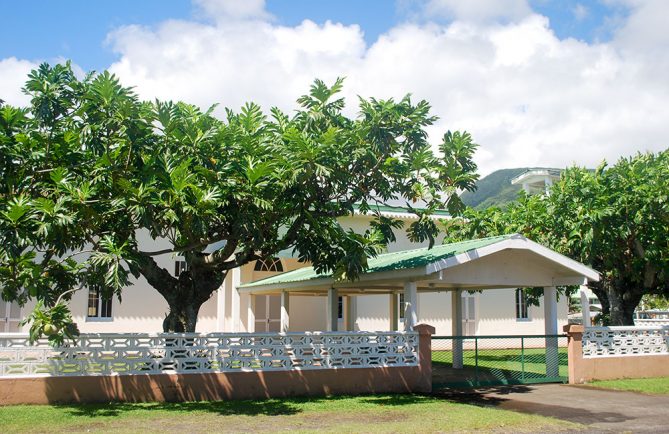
{"x":536,"y":82}
{"x":78,"y":29}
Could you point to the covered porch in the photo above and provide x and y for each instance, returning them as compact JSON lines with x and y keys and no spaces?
{"x":510,"y":261}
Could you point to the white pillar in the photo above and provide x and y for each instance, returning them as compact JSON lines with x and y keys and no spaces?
{"x":235,"y":305}
{"x":251,"y":314}
{"x":551,"y":328}
{"x":332,"y":310}
{"x":411,"y":306}
{"x":285,"y":311}
{"x":394,"y":312}
{"x":585,"y":307}
{"x":220,"y":307}
{"x":349,"y":314}
{"x":456,"y":327}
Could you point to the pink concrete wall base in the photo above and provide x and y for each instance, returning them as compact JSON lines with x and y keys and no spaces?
{"x":582,"y":370}
{"x":225,"y":386}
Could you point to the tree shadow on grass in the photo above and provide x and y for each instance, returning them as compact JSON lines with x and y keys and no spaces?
{"x":270,"y":407}
{"x":398,"y":400}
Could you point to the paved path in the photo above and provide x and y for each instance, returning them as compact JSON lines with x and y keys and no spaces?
{"x":599,"y":410}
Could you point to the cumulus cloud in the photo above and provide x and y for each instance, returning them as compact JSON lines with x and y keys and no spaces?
{"x":580,"y":12}
{"x":223,"y":10}
{"x":528,"y":97}
{"x":478,"y":11}
{"x":13,"y":74}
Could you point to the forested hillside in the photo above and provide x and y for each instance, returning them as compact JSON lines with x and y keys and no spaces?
{"x":494,"y":189}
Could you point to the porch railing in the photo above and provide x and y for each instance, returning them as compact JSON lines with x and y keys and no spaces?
{"x":134,"y":353}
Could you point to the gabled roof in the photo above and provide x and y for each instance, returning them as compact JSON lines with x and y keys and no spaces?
{"x":388,"y":261}
{"x":429,"y":265}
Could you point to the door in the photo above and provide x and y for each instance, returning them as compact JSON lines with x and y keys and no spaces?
{"x":468,"y":314}
{"x":268,"y":313}
{"x":10,"y":317}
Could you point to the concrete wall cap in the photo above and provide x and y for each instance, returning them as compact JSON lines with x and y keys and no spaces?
{"x":573,"y":328}
{"x":424,"y":329}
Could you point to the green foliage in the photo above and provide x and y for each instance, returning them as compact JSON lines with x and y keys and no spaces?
{"x":658,"y":302}
{"x":87,"y":167}
{"x":615,"y":219}
{"x":54,"y":322}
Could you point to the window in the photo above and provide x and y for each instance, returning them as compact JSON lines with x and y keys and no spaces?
{"x":400,"y":305}
{"x":521,"y":305}
{"x":98,"y":305}
{"x":179,"y":267}
{"x":340,"y":307}
{"x":269,"y":264}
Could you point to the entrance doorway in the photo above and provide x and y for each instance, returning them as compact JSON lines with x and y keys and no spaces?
{"x":268,"y":313}
{"x":10,"y":317}
{"x":468,"y":314}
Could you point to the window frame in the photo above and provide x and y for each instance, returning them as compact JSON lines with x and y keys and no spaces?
{"x":269,"y":265}
{"x":522,"y":306}
{"x":100,"y":304}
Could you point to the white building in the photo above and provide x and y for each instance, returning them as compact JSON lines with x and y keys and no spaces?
{"x":142,"y":309}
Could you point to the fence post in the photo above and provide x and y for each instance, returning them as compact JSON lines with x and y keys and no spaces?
{"x":476,"y":359}
{"x":522,"y":358}
{"x":425,"y":333}
{"x":575,"y":352}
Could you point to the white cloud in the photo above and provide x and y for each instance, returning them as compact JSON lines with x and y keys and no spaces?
{"x":527,"y":97}
{"x":13,"y":75}
{"x":222,"y":10}
{"x":479,"y":10}
{"x":580,"y":12}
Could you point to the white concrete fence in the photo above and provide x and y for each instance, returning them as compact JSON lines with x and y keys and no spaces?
{"x":625,"y":341}
{"x":651,"y":322}
{"x":134,"y":353}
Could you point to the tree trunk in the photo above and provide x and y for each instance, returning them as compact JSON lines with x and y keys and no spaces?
{"x":185,"y":294}
{"x":622,"y":305}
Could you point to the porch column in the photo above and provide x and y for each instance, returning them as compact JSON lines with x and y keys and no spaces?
{"x":251,"y":313}
{"x":585,"y":307}
{"x":235,"y":304}
{"x":350,"y":313}
{"x":285,"y":309}
{"x":394,"y":312}
{"x":456,"y":327}
{"x":411,"y":306}
{"x":551,"y":328}
{"x":220,"y":307}
{"x":332,"y":310}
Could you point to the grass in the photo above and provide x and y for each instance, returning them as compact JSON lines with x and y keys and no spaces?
{"x":508,"y":363}
{"x":654,"y":386}
{"x":384,"y":413}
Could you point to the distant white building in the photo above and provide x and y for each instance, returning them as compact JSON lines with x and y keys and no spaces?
{"x":538,"y":180}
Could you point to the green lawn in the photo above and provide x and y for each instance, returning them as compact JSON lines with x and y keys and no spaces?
{"x":658,"y":386}
{"x":386,"y":413}
{"x":531,"y":360}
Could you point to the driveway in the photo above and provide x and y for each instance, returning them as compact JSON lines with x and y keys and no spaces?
{"x":600,"y":410}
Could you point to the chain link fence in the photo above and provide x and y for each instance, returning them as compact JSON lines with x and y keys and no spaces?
{"x":499,"y":360}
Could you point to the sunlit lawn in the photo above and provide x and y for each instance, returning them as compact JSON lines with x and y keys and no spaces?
{"x":507,"y":363}
{"x":387,"y":413}
{"x":659,"y":386}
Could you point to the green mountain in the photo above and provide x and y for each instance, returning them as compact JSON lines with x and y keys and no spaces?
{"x":494,"y":189}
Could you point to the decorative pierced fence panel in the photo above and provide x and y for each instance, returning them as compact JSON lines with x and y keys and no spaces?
{"x":625,"y":341}
{"x":105,"y":354}
{"x":651,"y":322}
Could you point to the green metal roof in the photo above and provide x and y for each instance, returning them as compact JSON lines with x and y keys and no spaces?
{"x":405,"y":259}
